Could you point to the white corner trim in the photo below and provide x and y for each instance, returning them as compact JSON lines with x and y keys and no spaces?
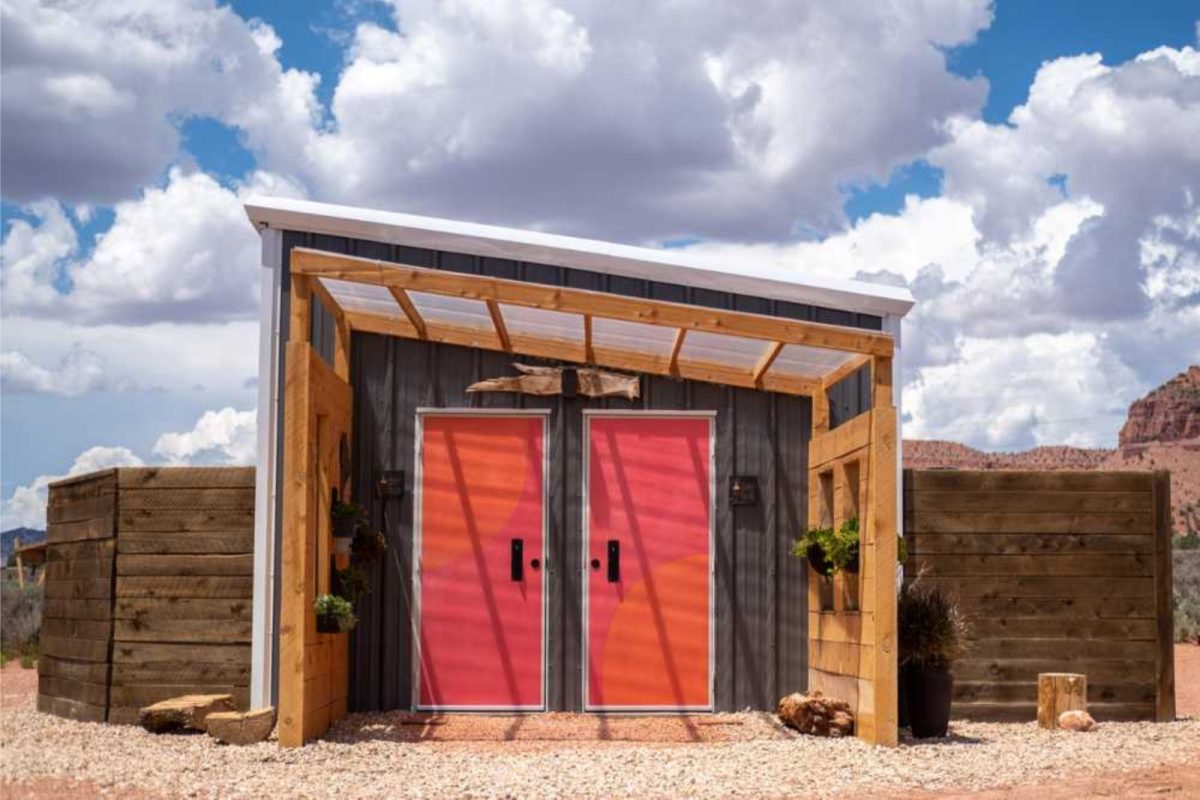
{"x":262,"y":665}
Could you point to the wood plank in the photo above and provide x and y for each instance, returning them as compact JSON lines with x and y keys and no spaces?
{"x":167,"y":655}
{"x":80,"y":530}
{"x":597,"y":304}
{"x":188,"y":499}
{"x":848,"y":368}
{"x":61,"y":569}
{"x":676,"y":347}
{"x":770,"y":353}
{"x":102,"y":548}
{"x":1127,"y":522}
{"x":840,"y":442}
{"x":185,"y":565}
{"x":82,"y":589}
{"x":882,"y":532}
{"x":1129,"y":630}
{"x":92,"y":650}
{"x":1079,"y":565}
{"x":185,"y":521}
{"x":70,"y":709}
{"x":185,"y":477}
{"x":1031,"y":501}
{"x":146,"y":694}
{"x":1041,"y":586}
{"x":185,"y":543}
{"x":185,"y":586}
{"x":1025,"y":712}
{"x":498,"y":324}
{"x":85,"y":487}
{"x":1069,"y":607}
{"x":1030,"y":481}
{"x":1000,"y":544}
{"x":86,"y":671}
{"x":182,"y":630}
{"x":78,"y":628}
{"x":1025,"y":669}
{"x":95,"y":694}
{"x":1026,"y":692}
{"x":1164,"y":598}
{"x":80,"y":481}
{"x":589,"y":352}
{"x":136,"y":608}
{"x":79,"y":510}
{"x":199,"y":674}
{"x":59,"y":608}
{"x":1065,"y":647}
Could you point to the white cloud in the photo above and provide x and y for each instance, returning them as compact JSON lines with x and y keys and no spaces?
{"x":219,"y":437}
{"x":93,"y":92}
{"x":184,"y":252}
{"x":27,"y":506}
{"x":80,"y":370}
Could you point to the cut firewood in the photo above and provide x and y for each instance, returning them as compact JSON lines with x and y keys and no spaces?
{"x":188,"y":712}
{"x":816,"y":714}
{"x":241,"y":727}
{"x":549,"y":381}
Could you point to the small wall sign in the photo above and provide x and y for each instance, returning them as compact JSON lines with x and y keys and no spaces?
{"x":743,"y":490}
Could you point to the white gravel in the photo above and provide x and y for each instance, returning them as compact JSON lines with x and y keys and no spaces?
{"x":366,"y":756}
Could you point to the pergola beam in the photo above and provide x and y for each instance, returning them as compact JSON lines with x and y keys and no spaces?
{"x":563,"y":350}
{"x":410,"y":311}
{"x":589,"y":355}
{"x":851,"y":366}
{"x":596,"y":304}
{"x":498,"y":323}
{"x":766,"y":360}
{"x":676,"y":346}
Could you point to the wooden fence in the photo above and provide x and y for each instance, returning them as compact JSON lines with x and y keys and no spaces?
{"x":148,"y":589}
{"x":1057,"y":572}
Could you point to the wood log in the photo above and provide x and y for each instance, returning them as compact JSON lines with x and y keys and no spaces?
{"x":1059,"y":692}
{"x":548,"y":381}
{"x":183,"y":713}
{"x":816,"y":714}
{"x":241,"y":727}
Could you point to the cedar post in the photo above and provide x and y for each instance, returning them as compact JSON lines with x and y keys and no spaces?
{"x":1164,"y":706}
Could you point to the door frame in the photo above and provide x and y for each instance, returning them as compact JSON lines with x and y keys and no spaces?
{"x":711,"y":415}
{"x":542,"y":414}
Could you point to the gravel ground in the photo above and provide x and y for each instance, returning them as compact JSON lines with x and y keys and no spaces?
{"x":378,"y":755}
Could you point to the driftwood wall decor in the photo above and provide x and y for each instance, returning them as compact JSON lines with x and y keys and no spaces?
{"x":550,"y":380}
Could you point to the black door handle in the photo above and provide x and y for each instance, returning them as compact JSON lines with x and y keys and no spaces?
{"x":516,"y":566}
{"x":614,"y":561}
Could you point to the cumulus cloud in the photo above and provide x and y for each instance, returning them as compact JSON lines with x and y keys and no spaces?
{"x":27,"y":506}
{"x":93,"y":92}
{"x":219,"y":437}
{"x":183,"y":252}
{"x":80,"y":370}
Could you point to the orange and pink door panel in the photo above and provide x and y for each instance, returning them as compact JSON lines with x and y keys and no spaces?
{"x":479,"y":561}
{"x":647,"y":549}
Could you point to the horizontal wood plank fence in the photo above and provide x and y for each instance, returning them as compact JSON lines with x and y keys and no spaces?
{"x":1057,"y":572}
{"x":148,"y":589}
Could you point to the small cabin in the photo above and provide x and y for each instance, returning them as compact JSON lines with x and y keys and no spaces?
{"x":589,"y":462}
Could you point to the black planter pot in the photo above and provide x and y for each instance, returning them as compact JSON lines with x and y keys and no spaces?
{"x":930,"y":692}
{"x":344,"y":527}
{"x":816,"y":559}
{"x":328,"y":623}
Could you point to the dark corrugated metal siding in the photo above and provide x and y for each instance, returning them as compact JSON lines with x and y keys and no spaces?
{"x":759,"y":590}
{"x":761,"y":595}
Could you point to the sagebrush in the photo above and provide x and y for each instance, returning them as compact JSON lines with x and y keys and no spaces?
{"x":1186,"y":568}
{"x":20,"y":619}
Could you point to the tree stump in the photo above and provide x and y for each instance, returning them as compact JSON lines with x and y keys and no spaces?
{"x":1059,"y":692}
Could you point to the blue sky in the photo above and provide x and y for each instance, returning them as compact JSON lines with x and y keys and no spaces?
{"x":1029,"y":251}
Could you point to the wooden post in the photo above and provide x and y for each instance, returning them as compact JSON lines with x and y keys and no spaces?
{"x":1164,"y":707}
{"x":20,"y":562}
{"x":880,"y":504}
{"x":1059,"y":692}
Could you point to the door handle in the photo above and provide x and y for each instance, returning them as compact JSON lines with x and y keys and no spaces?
{"x":614,"y":561}
{"x":516,"y":564}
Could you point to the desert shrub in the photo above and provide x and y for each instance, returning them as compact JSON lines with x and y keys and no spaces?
{"x":1186,"y":569}
{"x":20,"y":619}
{"x":930,"y":628}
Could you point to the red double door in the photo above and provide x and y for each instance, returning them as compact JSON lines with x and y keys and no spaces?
{"x":481,"y":574}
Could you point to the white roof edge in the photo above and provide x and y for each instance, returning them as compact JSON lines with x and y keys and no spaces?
{"x":669,"y":266}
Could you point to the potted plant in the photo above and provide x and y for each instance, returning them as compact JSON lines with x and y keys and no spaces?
{"x":368,"y":544}
{"x":830,"y":550}
{"x":351,"y":583}
{"x":334,"y":614}
{"x":346,"y":519}
{"x":931,"y":633}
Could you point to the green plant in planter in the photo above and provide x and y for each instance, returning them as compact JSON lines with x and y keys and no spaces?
{"x":368,"y":545}
{"x":352,"y":583}
{"x":931,"y":633}
{"x":347,"y":518}
{"x":334,"y":614}
{"x":829,"y":550}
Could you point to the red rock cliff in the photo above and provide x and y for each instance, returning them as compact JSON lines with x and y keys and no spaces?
{"x":1170,"y":413}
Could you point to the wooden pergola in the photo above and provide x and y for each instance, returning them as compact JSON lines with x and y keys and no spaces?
{"x":852,"y":645}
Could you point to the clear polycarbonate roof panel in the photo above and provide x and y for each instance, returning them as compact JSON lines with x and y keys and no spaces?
{"x":459,"y":312}
{"x":363,"y":297}
{"x":634,"y":337}
{"x":809,"y":362}
{"x":716,"y":348}
{"x":524,"y":321}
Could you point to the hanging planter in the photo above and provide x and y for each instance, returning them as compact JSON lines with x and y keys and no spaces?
{"x":368,"y":545}
{"x":830,"y":550}
{"x":345,"y":520}
{"x":334,"y":614}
